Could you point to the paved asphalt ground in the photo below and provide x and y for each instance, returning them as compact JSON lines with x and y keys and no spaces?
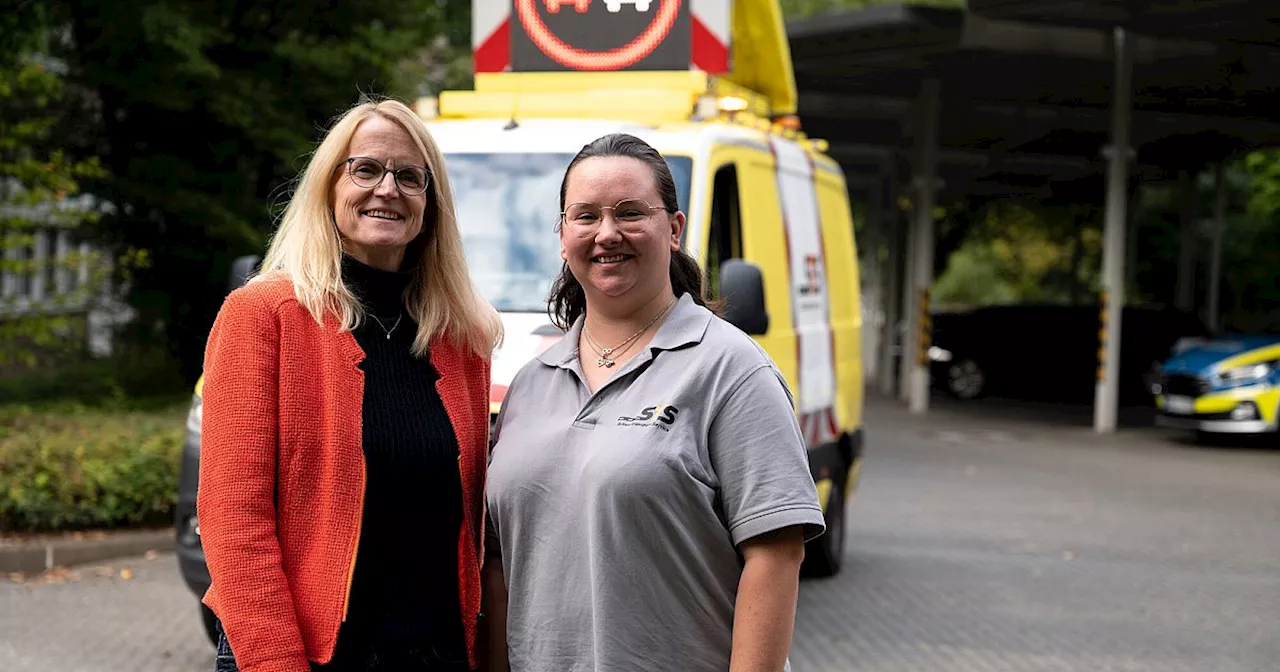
{"x":975,"y":545}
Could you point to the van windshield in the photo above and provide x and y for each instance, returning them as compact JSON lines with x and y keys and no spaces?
{"x":508,"y":205}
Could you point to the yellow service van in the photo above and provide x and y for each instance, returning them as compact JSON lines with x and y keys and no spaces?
{"x":768,"y":218}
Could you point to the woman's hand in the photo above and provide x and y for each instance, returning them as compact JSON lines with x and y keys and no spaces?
{"x":765,"y":613}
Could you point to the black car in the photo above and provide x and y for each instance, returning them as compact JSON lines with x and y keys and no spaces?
{"x":1050,"y":352}
{"x":191,"y":562}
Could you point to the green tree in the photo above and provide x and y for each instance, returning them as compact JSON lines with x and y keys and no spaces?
{"x":1023,"y":251}
{"x":1263,"y":170}
{"x":973,"y":278}
{"x":43,"y":320}
{"x":1250,"y":297}
{"x":203,"y":112}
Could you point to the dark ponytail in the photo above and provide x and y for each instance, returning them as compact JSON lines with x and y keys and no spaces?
{"x":568,"y":300}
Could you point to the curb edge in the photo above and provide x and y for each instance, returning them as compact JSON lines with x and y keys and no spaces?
{"x":38,"y":557}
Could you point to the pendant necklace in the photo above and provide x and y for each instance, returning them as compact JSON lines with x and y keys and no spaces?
{"x":604,"y":357}
{"x":384,"y":327}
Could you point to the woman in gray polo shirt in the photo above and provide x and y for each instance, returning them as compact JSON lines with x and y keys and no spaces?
{"x":649,"y":493}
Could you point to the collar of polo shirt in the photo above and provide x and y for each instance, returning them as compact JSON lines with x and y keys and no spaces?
{"x":686,"y":325}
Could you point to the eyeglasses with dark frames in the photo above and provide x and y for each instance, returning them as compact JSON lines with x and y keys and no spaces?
{"x":368,"y":173}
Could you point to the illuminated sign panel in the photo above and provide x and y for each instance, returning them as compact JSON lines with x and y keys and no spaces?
{"x":599,"y":35}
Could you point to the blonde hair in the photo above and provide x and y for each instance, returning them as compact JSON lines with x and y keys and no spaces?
{"x":307,"y":249}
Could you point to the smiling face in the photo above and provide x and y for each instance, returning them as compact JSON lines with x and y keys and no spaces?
{"x":621,"y":256}
{"x":377,"y":223}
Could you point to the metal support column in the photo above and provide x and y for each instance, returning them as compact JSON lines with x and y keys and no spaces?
{"x":891,"y":278}
{"x":1213,"y":310}
{"x":1106,"y":394}
{"x":925,"y":184}
{"x":1185,"y":295}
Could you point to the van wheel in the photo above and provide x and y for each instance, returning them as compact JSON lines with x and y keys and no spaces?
{"x":210,"y":621}
{"x":824,"y":555}
{"x":966,"y":379}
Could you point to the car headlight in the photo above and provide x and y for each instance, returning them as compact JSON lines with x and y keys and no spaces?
{"x":1242,"y":375}
{"x":195,"y":415}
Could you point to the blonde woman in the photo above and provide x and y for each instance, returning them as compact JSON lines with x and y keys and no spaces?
{"x":346,"y":421}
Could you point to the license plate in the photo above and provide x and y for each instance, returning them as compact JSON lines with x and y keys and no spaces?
{"x":1179,"y":405}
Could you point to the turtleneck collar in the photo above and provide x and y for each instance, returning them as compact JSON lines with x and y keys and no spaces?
{"x":382,"y":292}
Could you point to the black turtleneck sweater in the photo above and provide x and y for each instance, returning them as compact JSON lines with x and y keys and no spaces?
{"x":404,"y":594}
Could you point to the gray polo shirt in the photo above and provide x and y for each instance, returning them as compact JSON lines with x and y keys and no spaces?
{"x":618,"y":513}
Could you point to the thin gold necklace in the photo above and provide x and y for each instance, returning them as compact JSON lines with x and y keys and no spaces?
{"x":603,"y":359}
{"x":609,"y":358}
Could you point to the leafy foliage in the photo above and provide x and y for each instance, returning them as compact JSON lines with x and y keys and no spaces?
{"x":1024,"y":251}
{"x":1263,"y":170}
{"x":973,"y":278}
{"x":204,"y":112}
{"x":126,"y":381}
{"x":39,"y":183}
{"x":75,"y":468}
{"x":1036,"y":252}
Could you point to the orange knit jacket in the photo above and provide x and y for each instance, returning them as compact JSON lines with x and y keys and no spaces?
{"x":282,"y":475}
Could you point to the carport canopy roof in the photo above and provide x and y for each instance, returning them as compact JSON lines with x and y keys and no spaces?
{"x":1026,"y":87}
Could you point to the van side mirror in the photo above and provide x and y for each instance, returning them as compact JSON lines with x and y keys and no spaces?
{"x":742,"y":287}
{"x":241,"y":269}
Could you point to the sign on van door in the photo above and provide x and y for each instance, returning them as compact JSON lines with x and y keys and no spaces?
{"x":810,"y":296}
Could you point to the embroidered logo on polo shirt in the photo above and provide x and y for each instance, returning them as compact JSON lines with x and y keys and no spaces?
{"x":661,"y":417}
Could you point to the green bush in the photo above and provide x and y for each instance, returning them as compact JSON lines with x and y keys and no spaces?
{"x":74,"y":467}
{"x":120,"y":381}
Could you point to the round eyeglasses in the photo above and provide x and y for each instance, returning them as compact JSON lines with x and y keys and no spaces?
{"x":631,"y":214}
{"x":368,"y":173}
